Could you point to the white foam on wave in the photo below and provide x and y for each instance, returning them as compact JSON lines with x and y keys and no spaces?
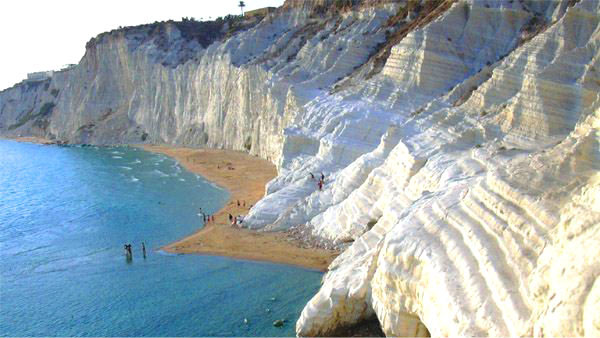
{"x":134,"y":179}
{"x":162,"y":252}
{"x":177,"y":168}
{"x":124,"y":167}
{"x":214,"y":185}
{"x":136,"y":161}
{"x":117,"y":157}
{"x":182,"y":180}
{"x":160,"y":173}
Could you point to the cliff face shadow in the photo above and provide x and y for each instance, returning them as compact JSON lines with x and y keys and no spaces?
{"x":413,"y":327}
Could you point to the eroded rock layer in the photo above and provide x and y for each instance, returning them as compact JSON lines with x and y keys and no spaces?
{"x":459,"y":141}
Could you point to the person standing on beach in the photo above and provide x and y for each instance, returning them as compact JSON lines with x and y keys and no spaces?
{"x":203,"y":215}
{"x":238,"y":203}
{"x":230,"y":217}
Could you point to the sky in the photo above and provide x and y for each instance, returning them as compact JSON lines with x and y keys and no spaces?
{"x":39,"y":35}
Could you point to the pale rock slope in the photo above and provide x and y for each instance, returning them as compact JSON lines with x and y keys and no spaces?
{"x":460,"y":143}
{"x":474,"y":208}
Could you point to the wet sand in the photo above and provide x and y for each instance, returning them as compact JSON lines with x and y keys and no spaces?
{"x":245,"y":177}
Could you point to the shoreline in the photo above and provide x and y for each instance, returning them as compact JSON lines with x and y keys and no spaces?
{"x":29,"y":139}
{"x":245,"y":181}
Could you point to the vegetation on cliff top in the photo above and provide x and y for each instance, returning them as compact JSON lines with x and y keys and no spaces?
{"x":203,"y":32}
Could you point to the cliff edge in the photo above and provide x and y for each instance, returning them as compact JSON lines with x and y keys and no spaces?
{"x":459,"y":140}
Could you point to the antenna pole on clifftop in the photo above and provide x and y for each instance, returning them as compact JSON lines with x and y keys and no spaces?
{"x":242,"y":5}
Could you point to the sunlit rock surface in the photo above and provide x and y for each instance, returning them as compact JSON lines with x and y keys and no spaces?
{"x":460,"y":145}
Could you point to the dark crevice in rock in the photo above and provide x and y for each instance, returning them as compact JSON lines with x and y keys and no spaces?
{"x":366,"y":328}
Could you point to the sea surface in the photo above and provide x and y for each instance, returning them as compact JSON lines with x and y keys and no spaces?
{"x":65,"y":213}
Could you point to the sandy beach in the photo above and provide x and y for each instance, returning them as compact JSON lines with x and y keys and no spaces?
{"x":30,"y":139}
{"x":245,"y":177}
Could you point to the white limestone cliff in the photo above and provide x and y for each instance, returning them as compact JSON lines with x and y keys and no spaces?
{"x":460,"y":144}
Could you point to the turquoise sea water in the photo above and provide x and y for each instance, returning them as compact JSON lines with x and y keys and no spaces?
{"x":65,"y":213}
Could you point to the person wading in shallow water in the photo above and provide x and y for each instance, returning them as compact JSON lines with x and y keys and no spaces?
{"x":144,"y":250}
{"x":128,"y":253}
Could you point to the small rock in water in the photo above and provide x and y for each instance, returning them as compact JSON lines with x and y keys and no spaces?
{"x":278,"y":323}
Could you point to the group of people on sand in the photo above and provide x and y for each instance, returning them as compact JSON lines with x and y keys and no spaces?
{"x":129,"y":251}
{"x":207,"y":218}
{"x":229,"y":167}
{"x":236,"y":220}
{"x":321,"y":181}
